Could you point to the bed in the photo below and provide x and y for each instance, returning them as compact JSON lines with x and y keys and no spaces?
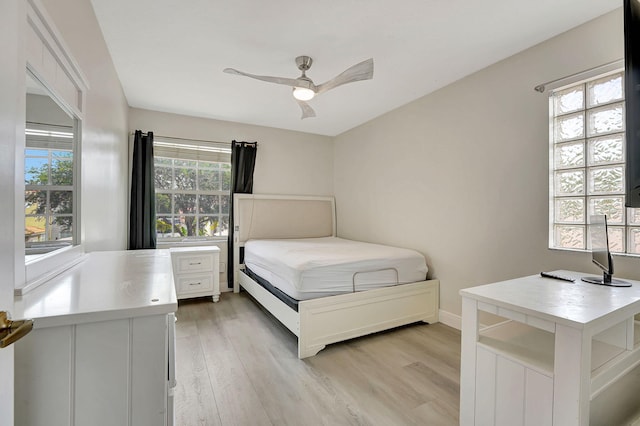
{"x":370,"y":298}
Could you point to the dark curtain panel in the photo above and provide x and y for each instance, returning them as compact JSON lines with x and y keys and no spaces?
{"x":243,"y":161}
{"x":142,"y":213}
{"x":631,"y":10}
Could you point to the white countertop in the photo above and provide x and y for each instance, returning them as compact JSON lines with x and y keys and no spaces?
{"x":104,"y":286}
{"x":576,"y":304}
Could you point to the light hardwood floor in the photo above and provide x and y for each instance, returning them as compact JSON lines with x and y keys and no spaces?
{"x":237,"y":365}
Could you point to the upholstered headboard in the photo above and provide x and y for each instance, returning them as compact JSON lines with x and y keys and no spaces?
{"x":260,"y":216}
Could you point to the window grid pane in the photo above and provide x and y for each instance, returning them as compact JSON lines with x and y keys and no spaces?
{"x":606,"y":150}
{"x":569,"y":210}
{"x":570,"y":237}
{"x":604,"y":120}
{"x":606,"y":180}
{"x":605,"y":90}
{"x":569,"y":127}
{"x":569,"y":100}
{"x":616,"y":239}
{"x":192,"y":198}
{"x":569,"y":154}
{"x":612,"y":206}
{"x":569,"y":182}
{"x":633,"y":240}
{"x":588,"y":150}
{"x":49,"y":194}
{"x":633,"y":216}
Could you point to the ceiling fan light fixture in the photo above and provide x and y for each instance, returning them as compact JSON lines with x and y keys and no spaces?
{"x":304,"y":89}
{"x":303,"y":94}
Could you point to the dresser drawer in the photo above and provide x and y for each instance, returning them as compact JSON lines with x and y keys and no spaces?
{"x":194,"y":283}
{"x":194,"y":263}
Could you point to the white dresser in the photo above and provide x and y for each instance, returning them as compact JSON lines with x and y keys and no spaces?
{"x":196,"y":271}
{"x":102,"y":350}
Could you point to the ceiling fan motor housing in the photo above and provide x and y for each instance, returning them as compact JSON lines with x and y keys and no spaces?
{"x":304,"y":62}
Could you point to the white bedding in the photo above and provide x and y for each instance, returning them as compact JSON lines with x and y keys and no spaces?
{"x":316,"y":267}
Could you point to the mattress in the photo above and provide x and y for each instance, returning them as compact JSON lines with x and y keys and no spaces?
{"x":317,"y":267}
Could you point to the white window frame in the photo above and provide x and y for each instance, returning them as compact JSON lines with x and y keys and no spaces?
{"x":192,"y":150}
{"x":630,"y":226}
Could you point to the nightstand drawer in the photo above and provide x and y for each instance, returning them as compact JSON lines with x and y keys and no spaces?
{"x":194,"y":263}
{"x":195,"y":283}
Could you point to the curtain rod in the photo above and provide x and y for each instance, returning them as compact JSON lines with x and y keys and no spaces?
{"x":584,"y":74}
{"x":182,"y":139}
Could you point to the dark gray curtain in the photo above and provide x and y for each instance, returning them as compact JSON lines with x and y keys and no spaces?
{"x":243,"y":161}
{"x":142,"y":213}
{"x":631,"y":10}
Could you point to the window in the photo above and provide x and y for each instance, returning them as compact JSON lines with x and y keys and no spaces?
{"x":588,"y":165}
{"x":192,"y":185}
{"x":49,"y":187}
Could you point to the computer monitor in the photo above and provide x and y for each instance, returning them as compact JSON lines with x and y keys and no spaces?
{"x":600,"y":254}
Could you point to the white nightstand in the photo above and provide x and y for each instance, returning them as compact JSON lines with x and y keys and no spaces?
{"x":196,"y":271}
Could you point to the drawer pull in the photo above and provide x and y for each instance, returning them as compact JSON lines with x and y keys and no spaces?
{"x":195,"y":263}
{"x":198,"y":283}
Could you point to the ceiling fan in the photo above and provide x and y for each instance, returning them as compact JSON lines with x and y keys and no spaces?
{"x":303,"y":87}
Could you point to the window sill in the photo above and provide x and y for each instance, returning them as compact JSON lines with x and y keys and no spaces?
{"x":41,"y":268}
{"x":631,"y":255}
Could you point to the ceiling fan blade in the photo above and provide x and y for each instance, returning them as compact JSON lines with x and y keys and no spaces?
{"x":307,"y":111}
{"x":361,"y":71}
{"x":278,"y":80}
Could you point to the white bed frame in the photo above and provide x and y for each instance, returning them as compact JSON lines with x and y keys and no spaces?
{"x":319,"y":322}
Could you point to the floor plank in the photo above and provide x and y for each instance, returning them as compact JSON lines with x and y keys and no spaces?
{"x":237,"y":365}
{"x":194,"y":400}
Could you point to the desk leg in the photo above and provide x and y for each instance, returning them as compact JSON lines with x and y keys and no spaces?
{"x":571,"y":377}
{"x":468,"y":361}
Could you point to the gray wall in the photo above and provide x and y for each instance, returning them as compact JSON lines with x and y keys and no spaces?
{"x":462,"y":174}
{"x":287,"y":162}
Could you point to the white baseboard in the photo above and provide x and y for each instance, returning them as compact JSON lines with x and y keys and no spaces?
{"x":452,"y":320}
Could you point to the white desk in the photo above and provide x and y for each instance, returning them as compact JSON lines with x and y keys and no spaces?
{"x":566,"y":347}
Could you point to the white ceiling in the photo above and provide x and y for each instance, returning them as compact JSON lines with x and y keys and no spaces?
{"x":169,"y":54}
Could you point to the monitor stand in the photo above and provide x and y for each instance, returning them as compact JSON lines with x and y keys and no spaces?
{"x":606,"y":280}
